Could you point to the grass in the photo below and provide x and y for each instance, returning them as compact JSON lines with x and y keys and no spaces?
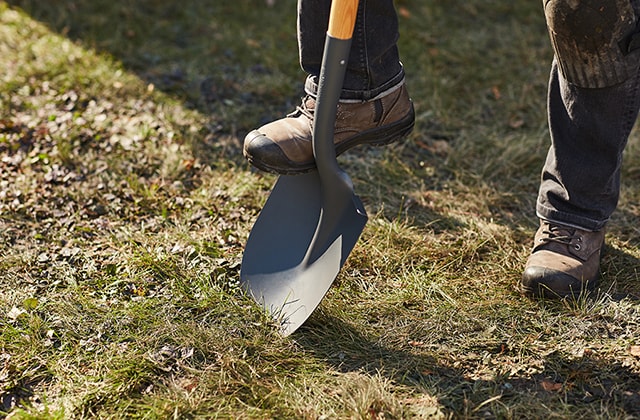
{"x":125,"y":204}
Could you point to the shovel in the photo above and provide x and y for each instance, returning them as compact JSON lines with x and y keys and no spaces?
{"x":310,"y":222}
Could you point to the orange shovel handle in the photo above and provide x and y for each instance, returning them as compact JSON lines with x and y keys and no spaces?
{"x":342,"y":18}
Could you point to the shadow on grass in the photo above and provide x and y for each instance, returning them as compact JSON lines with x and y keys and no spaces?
{"x":223,"y":59}
{"x":584,"y":384}
{"x":621,"y":274}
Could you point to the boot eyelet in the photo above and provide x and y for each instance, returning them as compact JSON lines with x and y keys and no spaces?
{"x":577,"y":247}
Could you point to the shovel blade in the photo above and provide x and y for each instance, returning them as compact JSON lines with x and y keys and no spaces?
{"x":296,"y":247}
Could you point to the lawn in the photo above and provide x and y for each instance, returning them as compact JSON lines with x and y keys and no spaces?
{"x":125,"y":204}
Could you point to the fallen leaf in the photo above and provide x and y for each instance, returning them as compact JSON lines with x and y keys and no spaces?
{"x":551,"y":386}
{"x":252,"y":43}
{"x":496,"y":92}
{"x":516,"y":122}
{"x":634,"y":351}
{"x":188,"y":164}
{"x":188,"y":384}
{"x":437,"y":147}
{"x":404,"y":12}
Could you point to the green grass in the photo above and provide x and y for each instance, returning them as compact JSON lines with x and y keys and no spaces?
{"x":125,"y":204}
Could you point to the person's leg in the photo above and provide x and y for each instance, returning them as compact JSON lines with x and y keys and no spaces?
{"x":589,"y":129}
{"x":593,"y":102}
{"x":374,"y":107}
{"x":374,"y":63}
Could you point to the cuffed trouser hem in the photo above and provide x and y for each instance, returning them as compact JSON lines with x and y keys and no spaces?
{"x":567,"y":219}
{"x":311,"y":88}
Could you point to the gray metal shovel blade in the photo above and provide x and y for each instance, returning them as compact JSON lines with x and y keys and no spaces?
{"x":296,"y":247}
{"x":310,"y":223}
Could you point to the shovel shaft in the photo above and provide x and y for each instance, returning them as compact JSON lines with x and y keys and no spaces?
{"x":342,"y":18}
{"x":337,"y":47}
{"x":334,"y":63}
{"x":339,"y":202}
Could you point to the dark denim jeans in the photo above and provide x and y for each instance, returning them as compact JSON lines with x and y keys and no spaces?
{"x":589,"y":127}
{"x":374,"y":64}
{"x":589,"y":130}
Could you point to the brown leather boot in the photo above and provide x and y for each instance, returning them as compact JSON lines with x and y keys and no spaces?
{"x":284,"y":146}
{"x":565,"y":261}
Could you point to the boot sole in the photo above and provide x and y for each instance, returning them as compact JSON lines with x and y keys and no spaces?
{"x":379,"y":136}
{"x":540,"y":291}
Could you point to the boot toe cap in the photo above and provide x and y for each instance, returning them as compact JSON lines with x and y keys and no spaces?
{"x":263,"y":152}
{"x":550,"y":283}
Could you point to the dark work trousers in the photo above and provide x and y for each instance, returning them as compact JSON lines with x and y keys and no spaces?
{"x":589,"y":127}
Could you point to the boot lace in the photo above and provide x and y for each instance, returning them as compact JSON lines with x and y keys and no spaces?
{"x":303,"y":109}
{"x":562,"y":235}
